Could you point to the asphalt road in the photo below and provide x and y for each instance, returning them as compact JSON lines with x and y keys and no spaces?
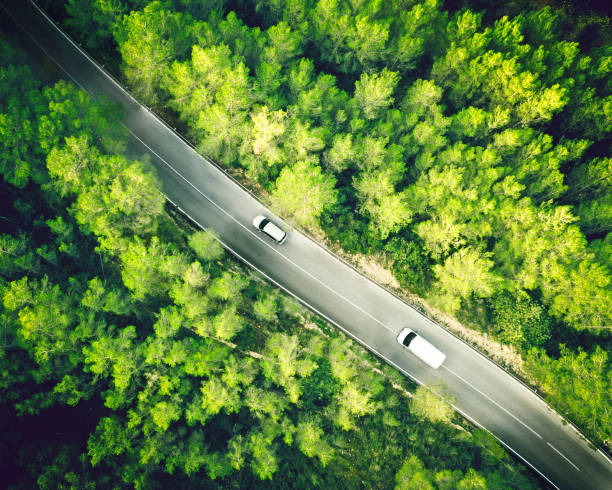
{"x":484,"y":393}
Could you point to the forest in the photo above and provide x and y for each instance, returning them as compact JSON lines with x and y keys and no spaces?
{"x":465,"y":146}
{"x":137,"y":354}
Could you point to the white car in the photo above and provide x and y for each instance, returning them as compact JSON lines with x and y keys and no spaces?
{"x":265,"y":225}
{"x":421,"y":348}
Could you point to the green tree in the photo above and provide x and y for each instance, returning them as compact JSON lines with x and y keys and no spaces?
{"x":602,"y":248}
{"x":106,"y":298}
{"x":73,"y":113}
{"x":202,"y":9}
{"x":596,"y":215}
{"x":206,"y":245}
{"x":211,"y":92}
{"x":592,"y":178}
{"x":579,"y":383}
{"x":266,"y":307}
{"x":20,"y":110}
{"x":519,"y":321}
{"x":148,"y":39}
{"x":409,"y":262}
{"x":283,"y":44}
{"x":115,"y":356}
{"x":543,"y":249}
{"x":110,"y":438}
{"x":143,"y":267}
{"x":374,"y":93}
{"x":284,"y":362}
{"x":311,"y":442}
{"x":228,"y":286}
{"x":304,"y":192}
{"x":45,"y":315}
{"x":535,"y":162}
{"x":466,"y":272}
{"x":341,"y":154}
{"x":444,"y":201}
{"x":265,"y":461}
{"x":94,"y":21}
{"x":425,"y":127}
{"x":412,"y":475}
{"x":268,"y":127}
{"x":428,"y":405}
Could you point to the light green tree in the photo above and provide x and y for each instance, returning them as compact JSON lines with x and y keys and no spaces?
{"x":466,"y":272}
{"x":206,"y":246}
{"x":428,"y":405}
{"x":310,"y":440}
{"x":266,"y":307}
{"x":374,"y":93}
{"x":304,"y":192}
{"x":413,"y":475}
{"x":268,"y":127}
{"x":148,"y":39}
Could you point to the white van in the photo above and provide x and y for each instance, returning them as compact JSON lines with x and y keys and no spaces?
{"x":421,"y":348}
{"x":266,"y":226}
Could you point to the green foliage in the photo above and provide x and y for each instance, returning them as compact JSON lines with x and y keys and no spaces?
{"x":410,"y":264}
{"x":228,"y":286}
{"x":72,"y":113}
{"x":147,"y":39}
{"x":19,"y":151}
{"x":94,"y":20}
{"x":110,"y":439}
{"x":268,"y":127}
{"x":465,"y":273}
{"x":602,"y":249}
{"x":428,"y":404}
{"x":354,"y":37}
{"x":311,"y":443}
{"x":116,"y":356}
{"x":579,"y":383}
{"x":596,"y":215}
{"x":304,"y":192}
{"x":519,"y":321}
{"x":373,"y":93}
{"x":184,"y":351}
{"x":206,"y":246}
{"x":38,"y":306}
{"x":590,"y":179}
{"x":142,"y":267}
{"x":101,"y":298}
{"x":545,"y":250}
{"x":413,"y":475}
{"x":266,"y":307}
{"x":210,"y":92}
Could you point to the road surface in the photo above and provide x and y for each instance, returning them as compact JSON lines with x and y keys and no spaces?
{"x":484,"y":393}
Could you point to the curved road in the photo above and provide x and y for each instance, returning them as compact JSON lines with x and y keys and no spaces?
{"x":484,"y":393}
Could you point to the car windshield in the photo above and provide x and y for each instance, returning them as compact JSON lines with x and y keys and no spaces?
{"x":409,"y":338}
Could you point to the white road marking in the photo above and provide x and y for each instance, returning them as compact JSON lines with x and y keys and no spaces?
{"x":563,"y":456}
{"x":604,"y":455}
{"x":491,"y":400}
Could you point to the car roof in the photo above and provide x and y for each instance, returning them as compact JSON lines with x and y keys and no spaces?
{"x":274,"y":231}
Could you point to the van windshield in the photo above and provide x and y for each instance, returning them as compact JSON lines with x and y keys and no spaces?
{"x":409,"y":338}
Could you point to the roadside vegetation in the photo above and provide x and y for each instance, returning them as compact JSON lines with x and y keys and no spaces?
{"x":137,"y":354}
{"x":468,"y":151}
{"x":470,"y":157}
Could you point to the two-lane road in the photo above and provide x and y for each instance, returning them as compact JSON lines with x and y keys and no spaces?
{"x":484,"y":393}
